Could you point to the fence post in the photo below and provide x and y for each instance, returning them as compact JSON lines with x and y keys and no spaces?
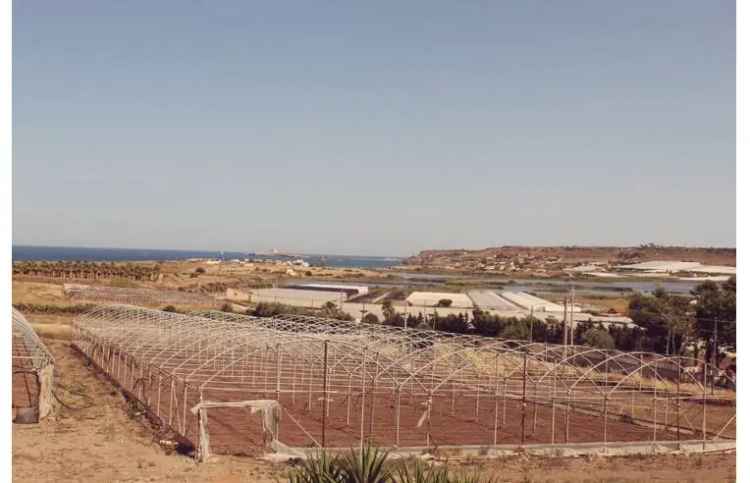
{"x":372,"y":397}
{"x":705,"y":370}
{"x":278,"y":373}
{"x":679,"y":377}
{"x":605,"y":416}
{"x":362,"y":412}
{"x":325,"y":391}
{"x":398,"y":414}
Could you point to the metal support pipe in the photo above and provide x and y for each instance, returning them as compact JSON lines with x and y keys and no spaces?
{"x":679,"y":377}
{"x":362,"y":413}
{"x":523,"y":400}
{"x":605,"y":416}
{"x":398,"y":414}
{"x":325,"y":393}
{"x":278,"y":373}
{"x":704,"y":406}
{"x":372,"y":398}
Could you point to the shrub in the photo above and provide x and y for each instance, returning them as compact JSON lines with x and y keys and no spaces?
{"x":370,"y":318}
{"x":200,"y":270}
{"x":169,"y":308}
{"x":599,"y":338}
{"x":444,"y":302}
{"x":486,"y":324}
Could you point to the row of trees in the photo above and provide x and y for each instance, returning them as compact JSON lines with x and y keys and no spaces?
{"x":667,"y":323}
{"x":526,"y":328}
{"x":671,"y":323}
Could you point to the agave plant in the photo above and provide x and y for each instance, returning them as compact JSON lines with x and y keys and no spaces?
{"x":367,"y":465}
{"x":321,"y":468}
{"x":420,"y":472}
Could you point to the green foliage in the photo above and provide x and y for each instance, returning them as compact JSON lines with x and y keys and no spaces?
{"x":667,"y":319}
{"x":599,"y":338}
{"x":321,"y":468}
{"x":370,"y":465}
{"x":388,"y":310}
{"x":332,"y":311}
{"x":718,"y":303}
{"x":370,"y":318}
{"x":456,"y":323}
{"x":54,"y":309}
{"x":366,"y":465}
{"x":419,"y":472}
{"x":486,"y":324}
{"x":515,"y":329}
{"x":272,"y":309}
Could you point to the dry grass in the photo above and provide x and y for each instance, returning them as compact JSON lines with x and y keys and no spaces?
{"x":38,"y":293}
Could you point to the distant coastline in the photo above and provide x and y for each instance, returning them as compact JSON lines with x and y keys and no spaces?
{"x":57,"y":253}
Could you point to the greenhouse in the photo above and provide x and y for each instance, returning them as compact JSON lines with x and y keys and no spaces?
{"x":33,"y":372}
{"x":236,"y":384}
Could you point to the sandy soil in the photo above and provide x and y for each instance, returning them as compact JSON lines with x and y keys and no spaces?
{"x":95,"y":439}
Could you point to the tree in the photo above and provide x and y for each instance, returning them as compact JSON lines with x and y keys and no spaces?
{"x":486,"y":324}
{"x":598,"y":338}
{"x":458,"y":324}
{"x":332,"y":311}
{"x":716,"y":306}
{"x":515,"y":329}
{"x":666,"y":319}
{"x":388,"y":310}
{"x":370,"y":318}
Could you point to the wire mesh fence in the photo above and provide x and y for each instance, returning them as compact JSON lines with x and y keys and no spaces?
{"x":340,"y":384}
{"x":137,"y":296}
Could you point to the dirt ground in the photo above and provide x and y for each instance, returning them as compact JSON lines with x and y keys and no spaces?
{"x":96,"y":439}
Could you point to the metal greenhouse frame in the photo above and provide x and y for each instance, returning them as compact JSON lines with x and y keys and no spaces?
{"x":233,"y":384}
{"x":33,"y":371}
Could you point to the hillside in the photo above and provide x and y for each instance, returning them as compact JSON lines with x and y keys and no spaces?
{"x":551,"y":258}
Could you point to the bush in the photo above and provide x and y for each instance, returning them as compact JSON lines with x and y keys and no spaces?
{"x":169,"y":308}
{"x":444,"y":302}
{"x":200,"y":270}
{"x":598,"y":338}
{"x":515,"y":329}
{"x":370,"y":318}
{"x":54,"y":309}
{"x":486,"y":324}
{"x":458,"y":324}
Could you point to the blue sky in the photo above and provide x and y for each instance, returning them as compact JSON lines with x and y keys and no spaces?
{"x":375,"y":128}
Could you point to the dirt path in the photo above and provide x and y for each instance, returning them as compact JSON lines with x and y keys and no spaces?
{"x":101,"y":442}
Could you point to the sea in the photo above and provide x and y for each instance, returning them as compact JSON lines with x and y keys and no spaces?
{"x":27,"y":252}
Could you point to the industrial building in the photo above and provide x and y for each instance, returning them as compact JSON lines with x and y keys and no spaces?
{"x":349,"y":290}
